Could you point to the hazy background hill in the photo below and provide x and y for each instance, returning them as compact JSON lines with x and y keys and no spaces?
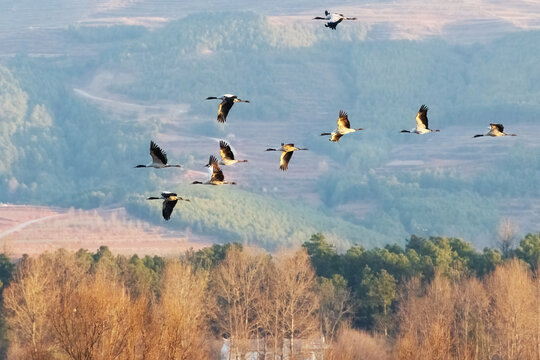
{"x":84,"y":86}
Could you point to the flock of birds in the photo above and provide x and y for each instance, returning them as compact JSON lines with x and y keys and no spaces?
{"x":159,"y":156}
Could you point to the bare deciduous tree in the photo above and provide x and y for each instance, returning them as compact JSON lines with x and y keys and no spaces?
{"x":425,"y":328}
{"x":96,"y":319}
{"x":237,"y":286}
{"x":26,"y":304}
{"x":335,"y":305}
{"x":177,"y":322}
{"x":514,"y":311}
{"x":296,"y":287}
{"x":506,"y":236}
{"x":353,"y":344}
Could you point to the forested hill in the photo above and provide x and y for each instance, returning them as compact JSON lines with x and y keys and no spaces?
{"x":378,"y":186}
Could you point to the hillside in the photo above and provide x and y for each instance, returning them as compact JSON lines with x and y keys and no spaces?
{"x":91,"y":109}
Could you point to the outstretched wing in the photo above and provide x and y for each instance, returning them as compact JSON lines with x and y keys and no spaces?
{"x":335,"y":137}
{"x":157,"y":154}
{"x":225,"y":150}
{"x":168,"y":206}
{"x":343,"y":120}
{"x":217,"y":174}
{"x":223,"y":109}
{"x":421,"y":118}
{"x":499,"y":127}
{"x":285,"y":158}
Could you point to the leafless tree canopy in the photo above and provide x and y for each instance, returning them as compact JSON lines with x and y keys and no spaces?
{"x":68,"y":306}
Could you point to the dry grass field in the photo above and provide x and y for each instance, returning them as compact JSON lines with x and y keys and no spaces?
{"x":33,"y":230}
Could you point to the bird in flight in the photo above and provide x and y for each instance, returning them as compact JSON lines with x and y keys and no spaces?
{"x":227,"y":101}
{"x":421,"y":122}
{"x":159,"y":158}
{"x":227,"y":155}
{"x":286,"y":154}
{"x":333,"y":19}
{"x":495,"y":130}
{"x":217,"y":177}
{"x":343,"y":127}
{"x":169,"y":202}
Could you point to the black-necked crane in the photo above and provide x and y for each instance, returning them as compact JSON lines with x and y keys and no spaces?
{"x":217,"y":177}
{"x":227,"y":155}
{"x":286,"y":154}
{"x":333,"y":19}
{"x":159,"y":158}
{"x":421,"y":122}
{"x":169,"y":202}
{"x":495,"y":130}
{"x":227,"y":101}
{"x":343,"y":127}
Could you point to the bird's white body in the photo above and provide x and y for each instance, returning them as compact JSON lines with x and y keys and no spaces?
{"x":421,"y":123}
{"x":216,"y":175}
{"x":227,"y":101}
{"x":169,"y":202}
{"x":343,"y":127}
{"x":495,"y":130}
{"x":227,"y":154}
{"x":159,"y":158}
{"x":159,"y":165}
{"x":420,"y":131}
{"x":344,"y":131}
{"x":286,"y":153}
{"x":333,"y":19}
{"x":228,"y":161}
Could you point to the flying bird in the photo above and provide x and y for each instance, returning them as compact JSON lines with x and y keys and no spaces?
{"x":343,"y":127}
{"x":287,"y":151}
{"x":227,"y":101}
{"x":169,"y":202}
{"x":159,"y":158}
{"x":333,"y":19}
{"x":495,"y":130}
{"x":227,"y":155}
{"x":217,"y":177}
{"x":421,"y":122}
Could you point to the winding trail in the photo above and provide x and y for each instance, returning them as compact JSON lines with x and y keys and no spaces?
{"x":27,"y":223}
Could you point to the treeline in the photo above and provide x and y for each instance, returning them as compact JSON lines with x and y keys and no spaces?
{"x":436,"y":298}
{"x":97,"y":306}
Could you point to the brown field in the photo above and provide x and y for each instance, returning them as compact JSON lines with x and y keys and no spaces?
{"x":33,"y":230}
